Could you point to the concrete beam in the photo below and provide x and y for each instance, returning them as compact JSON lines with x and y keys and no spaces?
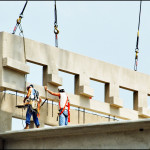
{"x":115,"y":101}
{"x":86,"y":91}
{"x":144,"y":112}
{"x":16,"y":65}
{"x":54,"y":79}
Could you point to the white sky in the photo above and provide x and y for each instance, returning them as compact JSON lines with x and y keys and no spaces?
{"x":104,"y":30}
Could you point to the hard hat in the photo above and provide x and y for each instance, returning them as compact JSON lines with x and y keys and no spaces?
{"x":31,"y":85}
{"x":61,"y":90}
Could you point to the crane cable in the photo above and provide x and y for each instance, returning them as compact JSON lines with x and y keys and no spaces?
{"x":19,"y":20}
{"x":137,"y":42}
{"x":56,"y":31}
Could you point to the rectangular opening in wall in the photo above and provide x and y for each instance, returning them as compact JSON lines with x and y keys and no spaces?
{"x":67,"y":81}
{"x":99,"y":90}
{"x":36,"y":74}
{"x":17,"y":124}
{"x":127,"y":97}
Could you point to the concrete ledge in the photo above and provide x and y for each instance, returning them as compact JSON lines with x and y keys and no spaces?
{"x":128,"y":114}
{"x":76,"y":129}
{"x":115,"y":101}
{"x":16,"y":65}
{"x":125,"y":134}
{"x":54,"y":79}
{"x":144,"y":112}
{"x":86,"y":91}
{"x":12,"y":87}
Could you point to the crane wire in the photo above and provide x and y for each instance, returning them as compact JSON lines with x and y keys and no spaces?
{"x":56,"y":31}
{"x":137,"y":42}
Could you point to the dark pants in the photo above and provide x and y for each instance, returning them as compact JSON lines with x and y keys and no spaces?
{"x":34,"y":114}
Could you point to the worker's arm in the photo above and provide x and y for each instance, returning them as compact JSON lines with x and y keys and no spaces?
{"x":28,"y":94}
{"x":55,"y":94}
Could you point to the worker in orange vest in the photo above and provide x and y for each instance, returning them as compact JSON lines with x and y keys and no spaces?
{"x":64,"y":106}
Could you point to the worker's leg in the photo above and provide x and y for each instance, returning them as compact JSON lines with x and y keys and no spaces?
{"x":35,"y":119}
{"x":28,"y":117}
{"x":66,"y":116}
{"x":61,"y":119}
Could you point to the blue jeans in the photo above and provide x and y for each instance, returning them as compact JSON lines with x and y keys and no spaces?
{"x":28,"y":117}
{"x":63,"y":118}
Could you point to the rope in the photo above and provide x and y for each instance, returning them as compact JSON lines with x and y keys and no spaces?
{"x":56,"y":31}
{"x":137,"y":42}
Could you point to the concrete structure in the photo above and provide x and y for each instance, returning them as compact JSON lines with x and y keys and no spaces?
{"x":120,"y":135}
{"x":16,"y":51}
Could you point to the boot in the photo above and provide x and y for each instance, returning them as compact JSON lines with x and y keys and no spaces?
{"x":27,"y":126}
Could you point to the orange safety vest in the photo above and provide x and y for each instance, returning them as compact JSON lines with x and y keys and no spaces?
{"x":64,"y":109}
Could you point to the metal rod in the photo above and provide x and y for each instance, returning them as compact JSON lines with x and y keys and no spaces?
{"x":16,"y":97}
{"x":52,"y":108}
{"x":47,"y":107}
{"x":84,"y":115}
{"x":78,"y":115}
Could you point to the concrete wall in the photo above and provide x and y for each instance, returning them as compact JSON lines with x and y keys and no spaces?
{"x":116,"y":135}
{"x":13,"y":69}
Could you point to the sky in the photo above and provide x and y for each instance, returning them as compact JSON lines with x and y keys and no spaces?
{"x":104,"y":30}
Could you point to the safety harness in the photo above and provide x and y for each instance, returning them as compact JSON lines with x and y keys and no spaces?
{"x":64,"y":109}
{"x":34,"y":102}
{"x":137,"y":42}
